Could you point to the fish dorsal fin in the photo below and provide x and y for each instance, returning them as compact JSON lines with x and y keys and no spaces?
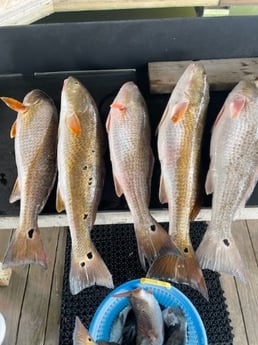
{"x":13,"y":130}
{"x":14,"y":104}
{"x":237,"y":105}
{"x":162,"y":191}
{"x":80,"y":334}
{"x":16,"y":192}
{"x":118,"y":188}
{"x":179,"y":111}
{"x":60,"y":205}
{"x":73,"y":124}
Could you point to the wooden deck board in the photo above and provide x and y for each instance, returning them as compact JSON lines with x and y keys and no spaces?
{"x":32,"y":302}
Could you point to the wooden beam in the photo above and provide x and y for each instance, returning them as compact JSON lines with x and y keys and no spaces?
{"x":223,"y":74}
{"x":82,"y":5}
{"x":14,"y":12}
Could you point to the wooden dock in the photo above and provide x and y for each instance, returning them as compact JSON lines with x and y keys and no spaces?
{"x":31,"y":303}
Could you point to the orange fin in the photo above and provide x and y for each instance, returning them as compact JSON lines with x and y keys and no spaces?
{"x":118,"y":106}
{"x":73,"y":124}
{"x":88,"y":270}
{"x":81,"y":335}
{"x":237,"y":105}
{"x":60,"y":205}
{"x":14,"y":104}
{"x":184,"y":270}
{"x":119,"y":191}
{"x":162,"y":191}
{"x":178,"y":111}
{"x":13,"y":130}
{"x":25,"y":248}
{"x":16,"y":193}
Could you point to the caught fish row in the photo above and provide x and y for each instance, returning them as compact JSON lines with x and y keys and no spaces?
{"x":80,"y":146}
{"x":142,"y":322}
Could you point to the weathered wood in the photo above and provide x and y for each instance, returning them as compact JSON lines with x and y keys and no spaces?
{"x":248,"y":292}
{"x":35,"y":306}
{"x":79,"y":5}
{"x":54,"y":311}
{"x":230,"y":292}
{"x":253,"y":232}
{"x":223,"y":74}
{"x":237,"y":2}
{"x":120,"y":217}
{"x":11,"y":297}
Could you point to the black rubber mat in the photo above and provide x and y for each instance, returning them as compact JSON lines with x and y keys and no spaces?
{"x":117,"y":245}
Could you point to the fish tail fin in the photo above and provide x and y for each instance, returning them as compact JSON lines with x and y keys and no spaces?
{"x":81,"y":335}
{"x":25,"y":248}
{"x":88,"y":270}
{"x":154,"y":242}
{"x":220,"y":255}
{"x":184,"y":270}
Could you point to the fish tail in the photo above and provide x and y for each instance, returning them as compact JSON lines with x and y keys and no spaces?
{"x":88,"y":270}
{"x":25,"y":248}
{"x":220,"y":255}
{"x":184,"y":270}
{"x":154,"y":242}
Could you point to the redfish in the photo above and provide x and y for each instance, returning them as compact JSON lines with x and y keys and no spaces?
{"x":35,"y":133}
{"x":179,"y":146}
{"x":81,"y":146}
{"x":231,"y":178}
{"x":132,"y":163}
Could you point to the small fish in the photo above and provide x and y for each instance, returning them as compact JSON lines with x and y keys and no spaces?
{"x":232,"y":176}
{"x":81,"y":335}
{"x":132,"y":163}
{"x":175,"y":326}
{"x":35,"y":133}
{"x":81,"y":146}
{"x":179,"y":146}
{"x":150,"y":326}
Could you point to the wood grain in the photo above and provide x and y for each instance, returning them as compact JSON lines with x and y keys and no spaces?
{"x":222,"y":74}
{"x":54,"y":311}
{"x":248,"y":292}
{"x":35,"y":307}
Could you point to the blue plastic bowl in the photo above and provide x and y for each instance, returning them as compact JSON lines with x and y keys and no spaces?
{"x":166,"y":295}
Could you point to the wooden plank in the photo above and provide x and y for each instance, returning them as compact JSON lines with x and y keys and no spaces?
{"x":13,"y":12}
{"x":11,"y":297}
{"x":35,"y":306}
{"x":54,"y":311}
{"x":223,"y":74}
{"x":120,"y":217}
{"x":230,"y":292}
{"x":237,"y":2}
{"x":248,"y":292}
{"x":82,"y":5}
{"x":253,"y":232}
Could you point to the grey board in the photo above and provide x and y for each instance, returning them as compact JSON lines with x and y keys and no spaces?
{"x":27,"y":50}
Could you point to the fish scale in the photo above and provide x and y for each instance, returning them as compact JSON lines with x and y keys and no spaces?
{"x":179,"y":145}
{"x":231,"y":177}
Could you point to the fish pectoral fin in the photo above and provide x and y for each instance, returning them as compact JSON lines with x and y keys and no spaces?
{"x":118,"y":188}
{"x":162,"y":191}
{"x":14,"y":104}
{"x":73,"y":124}
{"x":118,"y":106}
{"x":13,"y":130}
{"x":237,"y":105}
{"x":60,"y":206}
{"x":178,"y":111}
{"x":209,"y":182}
{"x":16,"y":192}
